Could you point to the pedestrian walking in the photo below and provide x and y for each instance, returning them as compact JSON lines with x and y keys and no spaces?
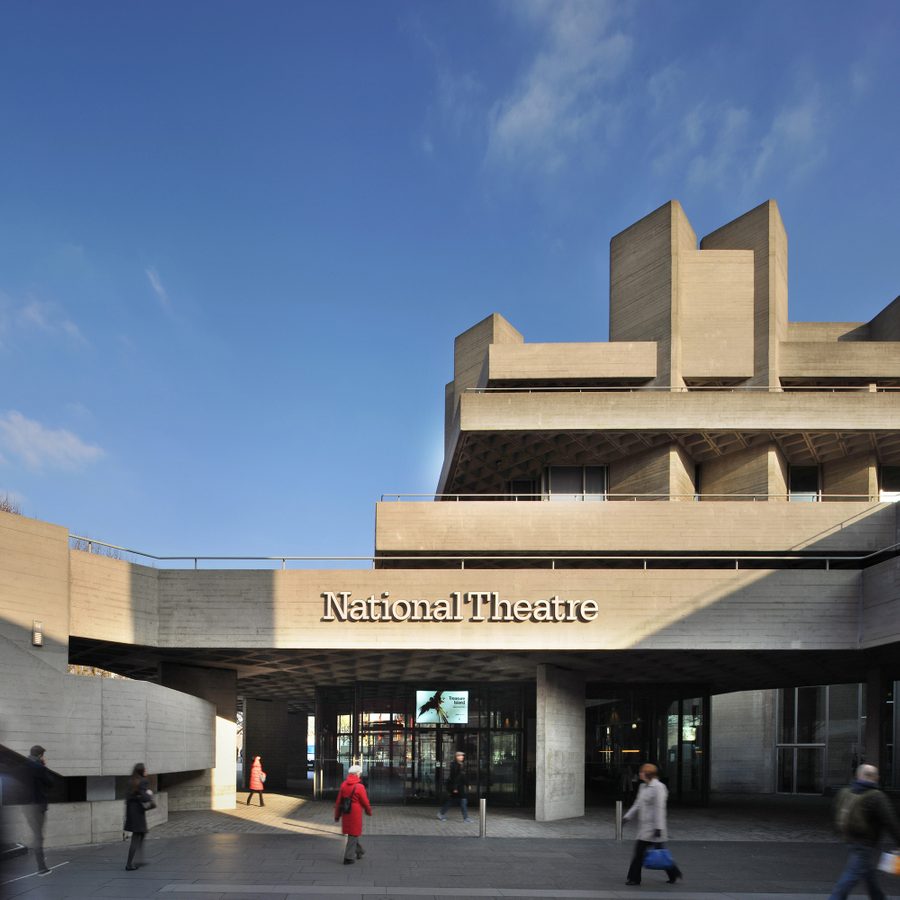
{"x":456,"y":788}
{"x":257,"y":781}
{"x":352,"y":799}
{"x":138,"y":799}
{"x":36,"y":811}
{"x":649,"y":809}
{"x":862,"y":813}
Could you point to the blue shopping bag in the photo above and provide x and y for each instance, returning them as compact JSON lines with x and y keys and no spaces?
{"x":658,"y":858}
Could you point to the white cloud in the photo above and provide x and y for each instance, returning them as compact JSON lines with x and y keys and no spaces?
{"x":38,"y":447}
{"x":20,"y":316}
{"x":793,"y":142}
{"x":458,"y":105}
{"x":560,"y":103}
{"x":724,"y":146}
{"x":49,"y":317}
{"x":665,"y":86}
{"x":724,"y":156}
{"x":158,"y":288}
{"x":676,"y":145}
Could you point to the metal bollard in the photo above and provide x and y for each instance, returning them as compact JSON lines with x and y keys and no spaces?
{"x":618,"y":820}
{"x":482,"y":817}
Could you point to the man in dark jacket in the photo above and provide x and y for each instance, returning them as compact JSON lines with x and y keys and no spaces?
{"x":41,"y":781}
{"x":456,"y":788}
{"x":862,"y":812}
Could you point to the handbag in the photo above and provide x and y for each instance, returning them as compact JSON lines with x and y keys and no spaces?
{"x":890,"y":863}
{"x":347,"y":802}
{"x":658,"y":858}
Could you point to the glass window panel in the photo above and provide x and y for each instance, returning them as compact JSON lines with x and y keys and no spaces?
{"x":505,"y":707}
{"x":691,"y":749}
{"x":785,"y":770}
{"x":890,"y":483}
{"x":595,"y":483}
{"x":566,"y":482}
{"x":524,"y":489}
{"x":843,"y":732}
{"x":671,"y":745}
{"x":810,"y":715}
{"x":809,"y":770}
{"x":505,"y":756}
{"x":804,"y":482}
{"x":786,"y":720}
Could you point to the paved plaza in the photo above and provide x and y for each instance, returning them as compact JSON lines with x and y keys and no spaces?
{"x":738,"y":849}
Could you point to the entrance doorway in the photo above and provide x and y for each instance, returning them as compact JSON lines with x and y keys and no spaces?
{"x":631,"y":727}
{"x":408,"y":761}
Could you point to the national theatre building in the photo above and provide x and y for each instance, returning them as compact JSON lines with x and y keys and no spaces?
{"x":677,"y":546}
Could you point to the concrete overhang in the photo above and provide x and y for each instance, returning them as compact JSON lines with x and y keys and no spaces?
{"x":864,"y":360}
{"x":659,"y":527}
{"x":567,"y":411}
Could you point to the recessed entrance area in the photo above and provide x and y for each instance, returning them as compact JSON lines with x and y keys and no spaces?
{"x":406,"y":758}
{"x":631,"y":726}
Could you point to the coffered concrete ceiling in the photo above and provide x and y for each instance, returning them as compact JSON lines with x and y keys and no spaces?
{"x":292,"y":675}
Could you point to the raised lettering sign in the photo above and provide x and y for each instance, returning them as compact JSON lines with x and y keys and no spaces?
{"x":459,"y":606}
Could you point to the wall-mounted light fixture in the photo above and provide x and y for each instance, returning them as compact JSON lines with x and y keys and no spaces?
{"x":37,"y":633}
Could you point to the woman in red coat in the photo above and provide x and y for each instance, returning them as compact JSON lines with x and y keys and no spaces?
{"x":257,"y":781}
{"x":351,"y":822}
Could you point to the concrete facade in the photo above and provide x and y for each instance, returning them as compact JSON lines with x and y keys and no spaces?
{"x":675,"y":559}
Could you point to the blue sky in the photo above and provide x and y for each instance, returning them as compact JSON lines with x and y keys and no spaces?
{"x":238,"y":239}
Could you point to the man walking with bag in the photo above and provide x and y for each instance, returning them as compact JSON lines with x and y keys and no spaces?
{"x":650,"y":810}
{"x":862,"y":812}
{"x":456,"y":788}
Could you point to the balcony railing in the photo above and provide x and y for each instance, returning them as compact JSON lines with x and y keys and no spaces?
{"x":868,"y":388}
{"x":634,"y":497}
{"x":801,"y":559}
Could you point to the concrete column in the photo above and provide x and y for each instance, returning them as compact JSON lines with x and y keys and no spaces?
{"x":267,"y":727}
{"x":208,"y":788}
{"x":877,"y":686}
{"x":559,"y":788}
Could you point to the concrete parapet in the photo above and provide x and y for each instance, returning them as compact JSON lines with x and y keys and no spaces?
{"x":618,"y":361}
{"x":724,"y":526}
{"x":70,"y":824}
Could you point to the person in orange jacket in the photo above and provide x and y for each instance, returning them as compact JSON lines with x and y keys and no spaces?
{"x":257,"y":781}
{"x":352,"y":822}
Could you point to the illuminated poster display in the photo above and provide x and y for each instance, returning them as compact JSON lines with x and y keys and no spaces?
{"x":442,"y":707}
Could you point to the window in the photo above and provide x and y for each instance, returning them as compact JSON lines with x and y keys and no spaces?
{"x":524,"y":489}
{"x":820,"y":737}
{"x":803,"y":483}
{"x":801,"y":740}
{"x":576,"y":482}
{"x":890,"y":484}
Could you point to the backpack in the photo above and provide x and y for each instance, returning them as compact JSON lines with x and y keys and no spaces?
{"x":849,"y":818}
{"x":347,"y":802}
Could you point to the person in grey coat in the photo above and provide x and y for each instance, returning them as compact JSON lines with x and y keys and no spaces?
{"x":649,"y":809}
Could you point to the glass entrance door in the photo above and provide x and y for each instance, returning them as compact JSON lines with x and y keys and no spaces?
{"x":425,"y":765}
{"x":642,"y":726}
{"x":453,"y":739}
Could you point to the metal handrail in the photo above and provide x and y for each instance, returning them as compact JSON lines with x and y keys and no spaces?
{"x":551,"y":558}
{"x":519,"y":495}
{"x":687,"y":389}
